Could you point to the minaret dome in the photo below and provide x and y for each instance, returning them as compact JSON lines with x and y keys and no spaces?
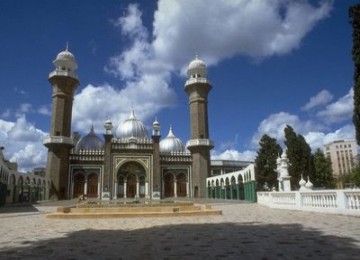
{"x":65,"y":61}
{"x":197,"y":69}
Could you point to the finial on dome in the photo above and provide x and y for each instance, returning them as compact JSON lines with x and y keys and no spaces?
{"x":67,"y":46}
{"x":132,"y":114}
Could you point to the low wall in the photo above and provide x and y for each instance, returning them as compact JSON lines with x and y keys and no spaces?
{"x":327,"y":201}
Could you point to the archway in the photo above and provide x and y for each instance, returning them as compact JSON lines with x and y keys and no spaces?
{"x":92,"y":186}
{"x":181,"y":185}
{"x":169,"y":185}
{"x":131,"y":180}
{"x":131,"y":186}
{"x":79,"y":182}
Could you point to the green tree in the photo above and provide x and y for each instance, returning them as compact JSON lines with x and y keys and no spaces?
{"x":299,"y":155}
{"x":354,"y":14}
{"x":323,"y":171}
{"x":265,"y":162}
{"x":352,"y":178}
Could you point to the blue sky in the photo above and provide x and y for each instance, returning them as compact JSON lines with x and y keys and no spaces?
{"x":271,"y":63}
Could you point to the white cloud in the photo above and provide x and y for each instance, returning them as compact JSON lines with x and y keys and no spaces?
{"x":93,"y":105}
{"x":232,"y":154}
{"x":44,"y":110}
{"x":23,"y":143}
{"x":229,"y":28}
{"x":322,"y":98}
{"x":274,"y":126}
{"x":318,"y":139}
{"x":339,"y":111}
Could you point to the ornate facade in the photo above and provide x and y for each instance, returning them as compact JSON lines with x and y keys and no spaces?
{"x":126,"y":162}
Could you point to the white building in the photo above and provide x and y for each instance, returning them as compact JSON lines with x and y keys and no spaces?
{"x":342,"y":154}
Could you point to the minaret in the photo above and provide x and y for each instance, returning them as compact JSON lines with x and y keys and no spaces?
{"x":198,"y":88}
{"x":108,"y":191}
{"x":156,"y":135}
{"x":64,"y":82}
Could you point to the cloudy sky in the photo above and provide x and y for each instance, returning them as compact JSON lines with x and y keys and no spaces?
{"x":271,"y":63}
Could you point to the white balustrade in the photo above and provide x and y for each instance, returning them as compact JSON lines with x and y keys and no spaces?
{"x":326,"y":201}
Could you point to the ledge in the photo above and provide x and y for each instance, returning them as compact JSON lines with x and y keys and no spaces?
{"x":58,"y":140}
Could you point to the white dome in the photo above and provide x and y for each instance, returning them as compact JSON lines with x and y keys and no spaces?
{"x":171,"y":143}
{"x":90,"y":142}
{"x":132,"y":127}
{"x":197,"y":68}
{"x":65,"y":55}
{"x":65,"y":61}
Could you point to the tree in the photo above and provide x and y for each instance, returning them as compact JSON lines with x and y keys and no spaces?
{"x":354,"y":14}
{"x":265,"y":162}
{"x":323,"y":171}
{"x":299,"y":155}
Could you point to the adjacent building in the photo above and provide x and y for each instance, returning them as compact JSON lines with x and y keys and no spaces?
{"x":342,"y":154}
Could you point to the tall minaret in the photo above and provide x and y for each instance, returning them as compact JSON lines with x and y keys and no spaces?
{"x":198,"y":87}
{"x":64,"y":82}
{"x":156,"y":185}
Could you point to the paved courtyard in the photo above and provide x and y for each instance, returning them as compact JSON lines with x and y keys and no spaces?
{"x":244,"y":231}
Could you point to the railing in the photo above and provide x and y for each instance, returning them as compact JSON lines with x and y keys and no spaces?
{"x":327,"y":201}
{"x":199,"y":142}
{"x":196,"y":80}
{"x":176,"y":157}
{"x":63,"y":73}
{"x":88,"y":155}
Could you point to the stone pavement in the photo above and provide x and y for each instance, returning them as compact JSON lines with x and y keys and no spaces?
{"x":244,"y":231}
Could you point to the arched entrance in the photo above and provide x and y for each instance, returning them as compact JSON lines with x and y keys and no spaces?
{"x":92,"y":188}
{"x":181,"y":185}
{"x":79,"y":181}
{"x":169,"y":185}
{"x":131,"y":181}
{"x":131,"y":186}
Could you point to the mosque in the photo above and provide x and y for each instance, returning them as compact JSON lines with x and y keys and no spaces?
{"x":128,"y":162}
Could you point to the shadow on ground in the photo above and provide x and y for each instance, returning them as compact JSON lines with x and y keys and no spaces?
{"x":191,"y":241}
{"x":18,"y":208}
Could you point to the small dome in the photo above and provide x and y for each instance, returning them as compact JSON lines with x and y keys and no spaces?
{"x":65,"y":55}
{"x":197,"y":68}
{"x":132,"y":127}
{"x":90,"y":142}
{"x":65,"y":61}
{"x":171,"y":143}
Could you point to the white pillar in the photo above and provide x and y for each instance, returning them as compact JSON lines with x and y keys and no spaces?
{"x":147,"y":195}
{"x":137,"y":189}
{"x":125,"y":189}
{"x":85,"y":187}
{"x":187,"y":189}
{"x":115,"y":190}
{"x":98,"y":189}
{"x":175,"y":189}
